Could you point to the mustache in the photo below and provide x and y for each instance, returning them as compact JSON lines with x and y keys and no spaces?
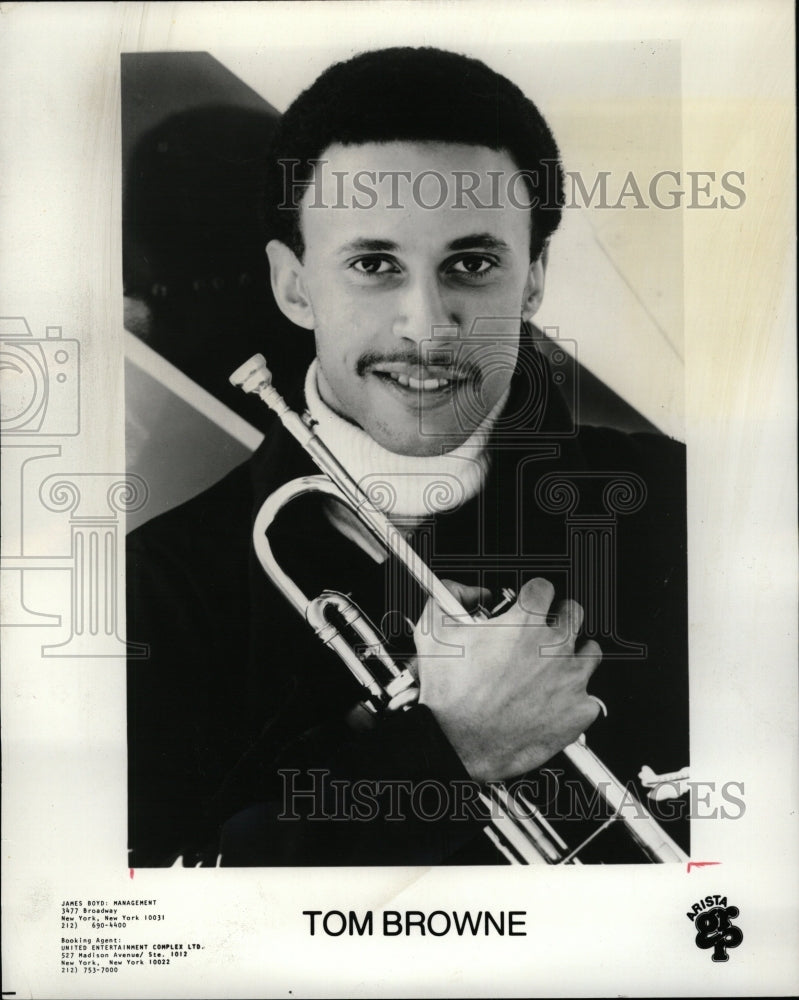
{"x":437,"y":359}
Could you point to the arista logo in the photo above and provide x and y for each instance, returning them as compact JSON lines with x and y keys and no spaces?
{"x":712,"y":918}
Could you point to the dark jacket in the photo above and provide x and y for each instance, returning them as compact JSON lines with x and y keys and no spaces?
{"x":238,"y":704}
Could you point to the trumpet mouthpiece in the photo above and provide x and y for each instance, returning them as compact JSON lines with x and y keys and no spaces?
{"x":253,"y":375}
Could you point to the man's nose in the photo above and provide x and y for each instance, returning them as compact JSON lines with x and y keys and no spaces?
{"x":420,"y":309}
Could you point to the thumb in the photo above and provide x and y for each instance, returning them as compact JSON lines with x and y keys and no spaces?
{"x":470,"y":597}
{"x":433,"y":616}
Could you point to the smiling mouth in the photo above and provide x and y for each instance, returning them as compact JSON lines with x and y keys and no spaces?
{"x":420,"y":385}
{"x":417,"y":378}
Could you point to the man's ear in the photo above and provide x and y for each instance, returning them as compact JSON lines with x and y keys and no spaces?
{"x":534,"y":286}
{"x":288,"y":285}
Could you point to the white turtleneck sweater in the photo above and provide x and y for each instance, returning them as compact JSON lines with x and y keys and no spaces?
{"x":405,"y":487}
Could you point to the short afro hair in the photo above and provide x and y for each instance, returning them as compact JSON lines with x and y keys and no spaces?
{"x":413,"y":95}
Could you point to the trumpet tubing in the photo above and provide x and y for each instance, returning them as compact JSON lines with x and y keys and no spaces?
{"x":517,"y":828}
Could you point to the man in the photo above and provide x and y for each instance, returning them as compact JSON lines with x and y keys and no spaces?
{"x":410,"y":203}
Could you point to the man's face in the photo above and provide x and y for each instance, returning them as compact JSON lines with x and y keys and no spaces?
{"x":416,"y":309}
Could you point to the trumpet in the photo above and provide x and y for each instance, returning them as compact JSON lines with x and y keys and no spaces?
{"x":517,"y":828}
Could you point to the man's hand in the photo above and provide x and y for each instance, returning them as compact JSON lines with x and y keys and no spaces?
{"x":509,"y":693}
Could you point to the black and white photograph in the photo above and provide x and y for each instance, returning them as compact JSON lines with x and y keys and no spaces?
{"x":399,"y":500}
{"x":465,"y":428}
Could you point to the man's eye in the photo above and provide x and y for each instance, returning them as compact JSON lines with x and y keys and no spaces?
{"x":475,"y":265}
{"x":374,"y":265}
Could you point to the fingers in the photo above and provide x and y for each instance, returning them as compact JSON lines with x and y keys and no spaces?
{"x":534,"y":601}
{"x":562,"y":624}
{"x":568,"y":618}
{"x":469,"y":597}
{"x":434,"y":618}
{"x":578,"y":667}
{"x":590,"y":706}
{"x":589,"y":656}
{"x":590,"y":712}
{"x":536,"y":595}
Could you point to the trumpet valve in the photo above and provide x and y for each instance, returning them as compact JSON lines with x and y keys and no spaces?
{"x":402,"y":692}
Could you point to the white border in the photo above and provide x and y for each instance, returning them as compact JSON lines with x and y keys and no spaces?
{"x":593,"y":931}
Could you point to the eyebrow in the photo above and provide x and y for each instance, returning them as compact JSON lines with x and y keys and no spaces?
{"x":485,"y":241}
{"x":366,"y":245}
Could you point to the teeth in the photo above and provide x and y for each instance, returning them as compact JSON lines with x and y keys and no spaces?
{"x":426,"y":385}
